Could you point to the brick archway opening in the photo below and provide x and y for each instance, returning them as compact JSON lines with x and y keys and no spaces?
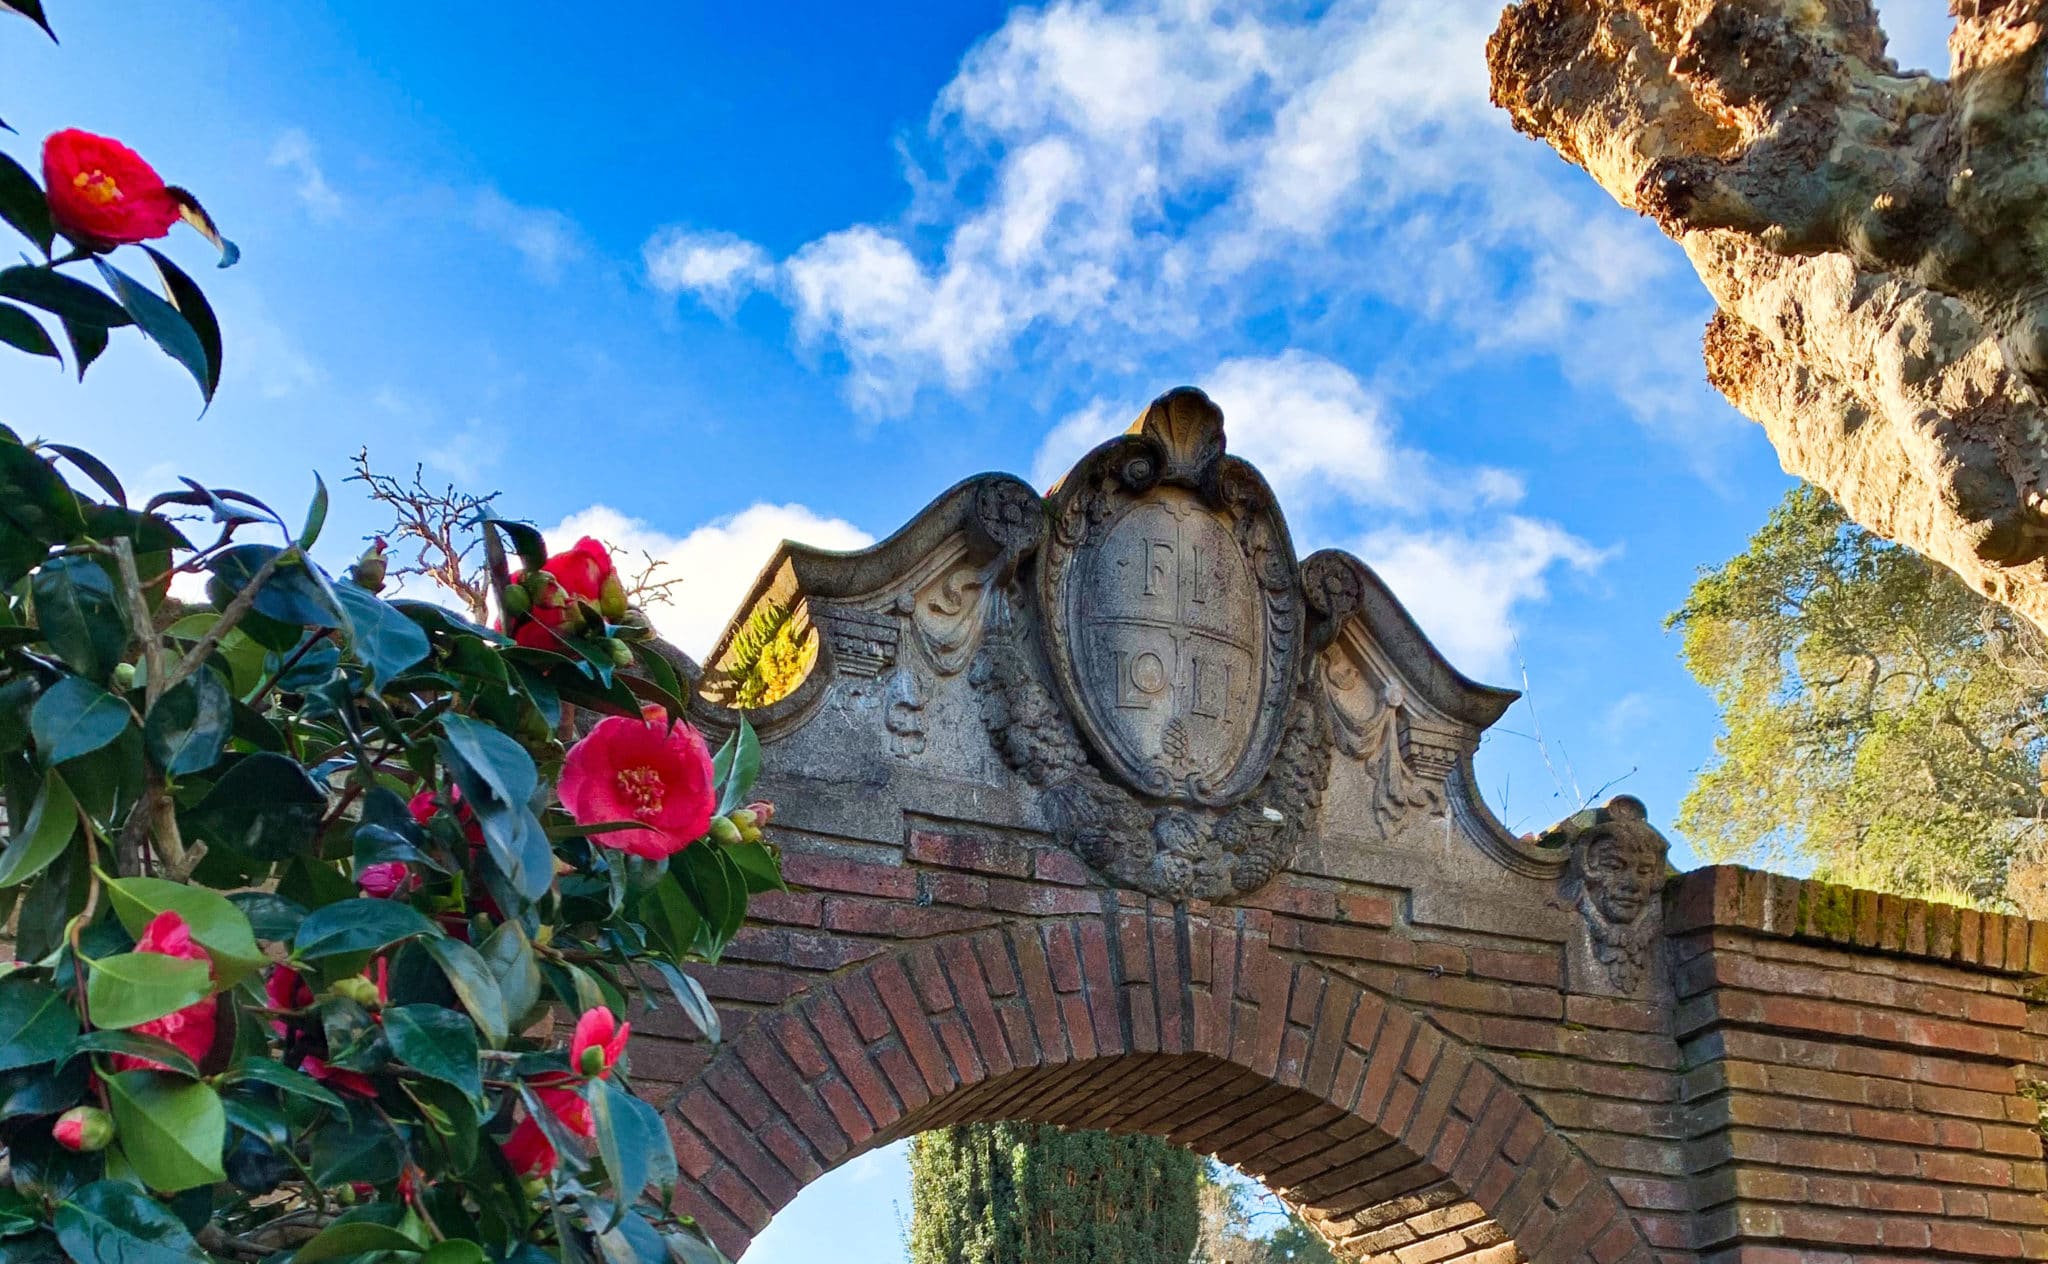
{"x":1378,"y":1127}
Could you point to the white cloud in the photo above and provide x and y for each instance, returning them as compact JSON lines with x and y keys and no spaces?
{"x":716,"y":562}
{"x":296,"y":153}
{"x":719,"y":268}
{"x":467,"y":453}
{"x":261,"y":354}
{"x":1465,"y":585}
{"x":546,"y":239}
{"x":1112,"y":175}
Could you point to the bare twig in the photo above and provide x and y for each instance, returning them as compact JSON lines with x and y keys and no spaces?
{"x":441,"y":524}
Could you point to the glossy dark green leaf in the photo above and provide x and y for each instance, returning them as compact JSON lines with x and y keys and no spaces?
{"x":80,"y":617}
{"x":526,"y":542}
{"x":717,"y":891}
{"x":37,"y":1024}
{"x":266,"y":806}
{"x":628,"y":1133}
{"x":454,"y":1251}
{"x":758,"y":865}
{"x":358,"y":926}
{"x":162,"y":323}
{"x":23,"y":205}
{"x":134,"y":1045}
{"x":216,"y":923}
{"x":345,"y":1238}
{"x":38,"y":1090}
{"x":385,"y":641}
{"x":436,"y":1042}
{"x":286,"y":1080}
{"x":475,"y":986}
{"x":61,"y":295}
{"x":172,"y":1129}
{"x":498,"y":780}
{"x":736,"y":766}
{"x":33,"y":11}
{"x":508,"y":954}
{"x":96,"y":470}
{"x":188,"y":726}
{"x":24,"y":332}
{"x":49,"y":827}
{"x":292,"y":595}
{"x":194,"y":214}
{"x":88,"y":344}
{"x":37,"y":509}
{"x":185,"y":295}
{"x":75,"y":717}
{"x":356,"y":1146}
{"x":112,"y":1222}
{"x":134,"y":987}
{"x":271,"y":916}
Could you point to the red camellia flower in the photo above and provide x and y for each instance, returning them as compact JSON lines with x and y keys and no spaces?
{"x":529,"y":1151}
{"x":599,"y":1042}
{"x":548,"y":613}
{"x":189,"y":1029}
{"x":423,"y":806}
{"x":347,"y":1081}
{"x":102,"y":193}
{"x":386,"y":879}
{"x":286,"y":988}
{"x":583,"y":569}
{"x":646,"y":771}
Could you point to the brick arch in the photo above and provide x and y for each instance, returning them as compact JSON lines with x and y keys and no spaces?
{"x":1382,"y":1129}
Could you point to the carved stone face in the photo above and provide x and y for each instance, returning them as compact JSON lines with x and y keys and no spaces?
{"x":1623,"y":867}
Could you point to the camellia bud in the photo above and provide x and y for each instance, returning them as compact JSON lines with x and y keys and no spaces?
{"x":592,"y":1062}
{"x":124,"y":675}
{"x":83,"y":1128}
{"x":763,"y":811}
{"x":611,"y":599}
{"x":357,"y":989}
{"x":724,"y":831}
{"x":622,"y":653}
{"x":369,"y":570}
{"x":517,"y":600}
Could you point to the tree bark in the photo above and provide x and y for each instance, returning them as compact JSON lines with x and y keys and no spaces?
{"x":1876,"y":241}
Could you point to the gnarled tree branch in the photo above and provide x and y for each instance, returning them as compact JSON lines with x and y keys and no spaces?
{"x":1877,"y":241}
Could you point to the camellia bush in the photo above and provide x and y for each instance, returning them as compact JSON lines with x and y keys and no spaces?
{"x":329,"y":912}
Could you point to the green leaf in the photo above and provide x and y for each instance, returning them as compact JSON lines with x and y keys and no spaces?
{"x":37,"y":1024}
{"x":293,"y":594}
{"x":628,"y":1134}
{"x":508,"y":954}
{"x":80,"y":617}
{"x":354,"y":926}
{"x":453,"y":1251}
{"x":22,"y":331}
{"x":475,"y":986}
{"x":136,"y":1045}
{"x":736,"y":766}
{"x":112,"y":1222}
{"x":437,"y":1042}
{"x":498,"y":780}
{"x":316,"y":514}
{"x":356,"y":1146}
{"x":61,"y":295}
{"x":191,"y":304}
{"x":134,"y":987}
{"x":50,"y":826}
{"x":187,"y":728}
{"x":385,"y":641}
{"x":162,"y":323}
{"x":285,"y":1080}
{"x":217,"y":925}
{"x":717,"y":890}
{"x":23,"y":205}
{"x":171,"y":1129}
{"x":75,"y":717}
{"x":194,"y":214}
{"x":352,"y":1237}
{"x":88,"y":343}
{"x":33,"y":11}
{"x":690,"y":995}
{"x":271,"y":916}
{"x":96,"y":470}
{"x":758,"y":865}
{"x":266,"y":806}
{"x":526,"y":542}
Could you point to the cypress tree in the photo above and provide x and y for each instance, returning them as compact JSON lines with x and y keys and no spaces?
{"x":1033,"y":1194}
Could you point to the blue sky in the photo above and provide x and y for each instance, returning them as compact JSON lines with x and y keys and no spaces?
{"x":696,"y":276}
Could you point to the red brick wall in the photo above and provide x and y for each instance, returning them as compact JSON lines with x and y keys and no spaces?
{"x":1828,"y":1077}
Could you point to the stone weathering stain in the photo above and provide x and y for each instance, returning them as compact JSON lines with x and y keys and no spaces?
{"x":1104,"y":810}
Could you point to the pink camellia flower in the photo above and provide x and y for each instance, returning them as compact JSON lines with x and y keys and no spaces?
{"x":190,"y":1029}
{"x":286,"y":988}
{"x":645,"y":771}
{"x":529,"y":1151}
{"x":423,"y":806}
{"x":386,"y":879}
{"x":102,"y":193}
{"x":599,"y":1042}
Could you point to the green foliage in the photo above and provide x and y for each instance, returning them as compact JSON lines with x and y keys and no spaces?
{"x":1883,"y":723}
{"x":769,"y":656}
{"x":1033,"y":1194}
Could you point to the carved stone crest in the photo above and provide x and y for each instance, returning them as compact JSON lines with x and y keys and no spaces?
{"x":1173,"y":607}
{"x":1614,"y":877}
